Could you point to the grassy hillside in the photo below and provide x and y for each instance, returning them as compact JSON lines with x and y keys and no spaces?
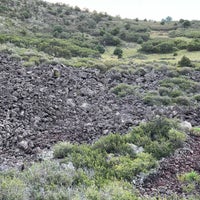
{"x":37,"y":32}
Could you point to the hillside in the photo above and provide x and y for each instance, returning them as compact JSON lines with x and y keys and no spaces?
{"x":97,"y":107}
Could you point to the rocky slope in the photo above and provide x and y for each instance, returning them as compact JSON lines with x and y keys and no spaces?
{"x":164,"y":181}
{"x":46,"y":104}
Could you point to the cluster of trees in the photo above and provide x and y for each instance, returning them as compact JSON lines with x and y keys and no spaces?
{"x":169,"y":45}
{"x":158,"y":46}
{"x":55,"y":47}
{"x":166,"y":20}
{"x":185,"y":23}
{"x":194,"y":45}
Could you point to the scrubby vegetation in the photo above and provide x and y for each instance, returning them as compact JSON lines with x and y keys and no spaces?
{"x":37,"y":33}
{"x":104,"y":170}
{"x":123,"y":89}
{"x":59,"y":33}
{"x":189,"y":180}
{"x":176,"y":90}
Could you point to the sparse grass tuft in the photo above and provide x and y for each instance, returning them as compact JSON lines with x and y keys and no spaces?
{"x":123,"y":89}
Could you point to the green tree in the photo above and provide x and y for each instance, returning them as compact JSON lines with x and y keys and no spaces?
{"x":100,"y":48}
{"x":185,"y":62}
{"x":162,"y":22}
{"x":168,"y":19}
{"x":118,"y":52}
{"x":186,"y":24}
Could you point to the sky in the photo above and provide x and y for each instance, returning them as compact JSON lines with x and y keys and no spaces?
{"x":141,"y":9}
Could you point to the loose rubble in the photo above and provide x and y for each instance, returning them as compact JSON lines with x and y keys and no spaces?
{"x":42,"y":105}
{"x":164,"y":180}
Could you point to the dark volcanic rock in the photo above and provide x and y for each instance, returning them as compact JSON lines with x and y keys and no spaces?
{"x":46,"y":104}
{"x":164,"y":181}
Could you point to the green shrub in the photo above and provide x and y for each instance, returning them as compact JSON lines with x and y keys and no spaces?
{"x":176,"y":138}
{"x":158,"y":137}
{"x":197,"y":97}
{"x":118,"y":190}
{"x":123,"y":89}
{"x":159,"y":46}
{"x":140,"y":40}
{"x":28,"y":64}
{"x":100,"y":48}
{"x":126,"y":168}
{"x":56,"y":47}
{"x":92,"y":193}
{"x":163,"y":91}
{"x":165,"y":47}
{"x":48,"y":179}
{"x":185,"y":62}
{"x":109,"y":39}
{"x":183,"y":84}
{"x":85,"y":157}
{"x":189,"y":181}
{"x":181,"y":44}
{"x":61,"y":150}
{"x":194,"y":45}
{"x":185,"y":71}
{"x":195,"y":131}
{"x":130,"y":36}
{"x":182,"y":100}
{"x":58,"y":29}
{"x":189,"y":177}
{"x":175,"y":93}
{"x":114,"y":144}
{"x":156,"y":100}
{"x":118,"y":52}
{"x":186,"y":23}
{"x":12,"y":188}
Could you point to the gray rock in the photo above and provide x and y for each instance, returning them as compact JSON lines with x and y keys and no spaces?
{"x":23,"y":145}
{"x":186,"y":126}
{"x":136,"y":149}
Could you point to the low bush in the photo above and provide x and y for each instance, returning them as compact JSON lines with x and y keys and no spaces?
{"x":47,"y":180}
{"x":182,"y":100}
{"x":189,"y":33}
{"x":118,"y":190}
{"x":115,"y":144}
{"x":12,"y":188}
{"x":156,"y":100}
{"x":110,"y":40}
{"x":182,"y":83}
{"x":123,"y":89}
{"x":103,"y":170}
{"x":195,"y":131}
{"x":159,"y":137}
{"x":126,"y":168}
{"x":73,"y":47}
{"x":181,"y":44}
{"x":194,"y":45}
{"x":185,"y":71}
{"x":134,"y":37}
{"x":175,"y":93}
{"x":185,"y":62}
{"x":61,"y":150}
{"x":118,"y":52}
{"x":189,"y":181}
{"x":163,"y":91}
{"x":160,"y":46}
{"x":197,"y":97}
